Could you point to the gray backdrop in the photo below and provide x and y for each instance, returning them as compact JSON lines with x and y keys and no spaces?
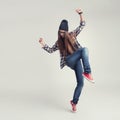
{"x":32,"y":85}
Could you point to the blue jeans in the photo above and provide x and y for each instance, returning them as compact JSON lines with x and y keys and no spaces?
{"x":74,"y":62}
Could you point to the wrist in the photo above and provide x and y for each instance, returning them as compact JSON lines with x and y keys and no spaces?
{"x":80,"y":13}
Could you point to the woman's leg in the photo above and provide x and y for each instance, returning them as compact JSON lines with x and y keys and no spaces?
{"x":81,"y":53}
{"x":86,"y":65}
{"x":85,"y":60}
{"x":80,"y":82}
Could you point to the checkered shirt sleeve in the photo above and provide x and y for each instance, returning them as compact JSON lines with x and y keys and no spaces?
{"x":51,"y":49}
{"x":79,"y":28}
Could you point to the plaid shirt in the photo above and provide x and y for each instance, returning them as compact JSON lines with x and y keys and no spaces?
{"x":55,"y":46}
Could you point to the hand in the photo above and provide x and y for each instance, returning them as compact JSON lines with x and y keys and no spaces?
{"x":78,"y":10}
{"x":41,"y":41}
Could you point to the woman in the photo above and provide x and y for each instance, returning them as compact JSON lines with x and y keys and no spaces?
{"x":71,"y":54}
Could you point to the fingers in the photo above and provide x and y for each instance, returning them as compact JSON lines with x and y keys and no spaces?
{"x":78,"y":10}
{"x":40,"y":40}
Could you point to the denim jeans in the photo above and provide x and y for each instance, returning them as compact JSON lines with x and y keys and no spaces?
{"x":79,"y":62}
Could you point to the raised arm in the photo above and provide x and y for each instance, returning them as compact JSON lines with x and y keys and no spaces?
{"x":47,"y":48}
{"x":79,"y":11}
{"x":82,"y":22}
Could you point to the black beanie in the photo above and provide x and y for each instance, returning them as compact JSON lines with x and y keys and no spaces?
{"x":63,"y":25}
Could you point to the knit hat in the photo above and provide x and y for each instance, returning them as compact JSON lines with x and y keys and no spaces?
{"x":63,"y":25}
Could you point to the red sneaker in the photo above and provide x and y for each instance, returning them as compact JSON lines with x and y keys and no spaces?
{"x":89,"y":77}
{"x":73,"y":106}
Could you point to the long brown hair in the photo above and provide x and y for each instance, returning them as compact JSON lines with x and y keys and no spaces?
{"x":66,"y":45}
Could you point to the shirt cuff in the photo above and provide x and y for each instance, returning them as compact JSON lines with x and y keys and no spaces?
{"x":82,"y":23}
{"x":44,"y":46}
